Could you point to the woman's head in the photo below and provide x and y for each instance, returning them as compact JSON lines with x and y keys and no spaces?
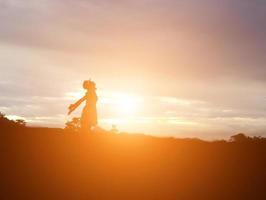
{"x":89,"y":85}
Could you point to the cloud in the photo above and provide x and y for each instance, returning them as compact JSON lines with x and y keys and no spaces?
{"x":221,"y":37}
{"x":201,"y":61}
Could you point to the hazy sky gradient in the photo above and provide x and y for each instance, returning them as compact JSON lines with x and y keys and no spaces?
{"x":193,"y":68}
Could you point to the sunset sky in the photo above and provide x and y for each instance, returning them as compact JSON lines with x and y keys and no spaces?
{"x":191,"y":68}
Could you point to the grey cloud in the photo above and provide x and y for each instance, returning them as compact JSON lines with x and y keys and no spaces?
{"x":211,"y":51}
{"x":231,"y":32}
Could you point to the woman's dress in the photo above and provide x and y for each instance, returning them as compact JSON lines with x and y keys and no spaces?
{"x":89,"y":113}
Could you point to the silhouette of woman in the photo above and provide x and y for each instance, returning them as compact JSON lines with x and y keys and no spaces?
{"x":89,"y":112}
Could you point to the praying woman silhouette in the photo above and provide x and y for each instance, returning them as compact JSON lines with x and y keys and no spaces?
{"x":89,"y":112}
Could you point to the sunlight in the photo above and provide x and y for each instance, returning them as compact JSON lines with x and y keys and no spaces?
{"x":128,"y":104}
{"x":123,"y":104}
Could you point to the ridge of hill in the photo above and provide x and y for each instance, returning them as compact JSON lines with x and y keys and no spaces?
{"x":45,"y":163}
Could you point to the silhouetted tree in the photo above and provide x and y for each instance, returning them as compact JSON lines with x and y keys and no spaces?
{"x":240,"y":137}
{"x":8,"y":123}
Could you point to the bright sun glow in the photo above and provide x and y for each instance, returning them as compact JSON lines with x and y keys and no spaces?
{"x":128,"y":104}
{"x":124,"y":104}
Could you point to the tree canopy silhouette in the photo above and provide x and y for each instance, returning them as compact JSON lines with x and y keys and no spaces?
{"x":8,"y":123}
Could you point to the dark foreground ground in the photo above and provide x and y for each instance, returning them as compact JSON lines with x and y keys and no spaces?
{"x":53,"y":164}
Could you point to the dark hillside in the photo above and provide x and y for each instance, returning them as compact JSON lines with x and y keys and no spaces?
{"x":41,"y":163}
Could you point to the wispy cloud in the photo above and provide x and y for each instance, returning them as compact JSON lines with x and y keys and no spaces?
{"x":177,"y":62}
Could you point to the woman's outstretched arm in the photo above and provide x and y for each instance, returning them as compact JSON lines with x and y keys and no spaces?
{"x":73,"y":107}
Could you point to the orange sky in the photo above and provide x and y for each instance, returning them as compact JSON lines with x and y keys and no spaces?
{"x":180,"y":68}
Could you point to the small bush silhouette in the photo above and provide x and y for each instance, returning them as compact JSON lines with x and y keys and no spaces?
{"x":73,"y":125}
{"x":114,"y":129}
{"x":20,"y":122}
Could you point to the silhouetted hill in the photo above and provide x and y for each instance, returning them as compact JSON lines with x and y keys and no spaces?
{"x":42,"y":163}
